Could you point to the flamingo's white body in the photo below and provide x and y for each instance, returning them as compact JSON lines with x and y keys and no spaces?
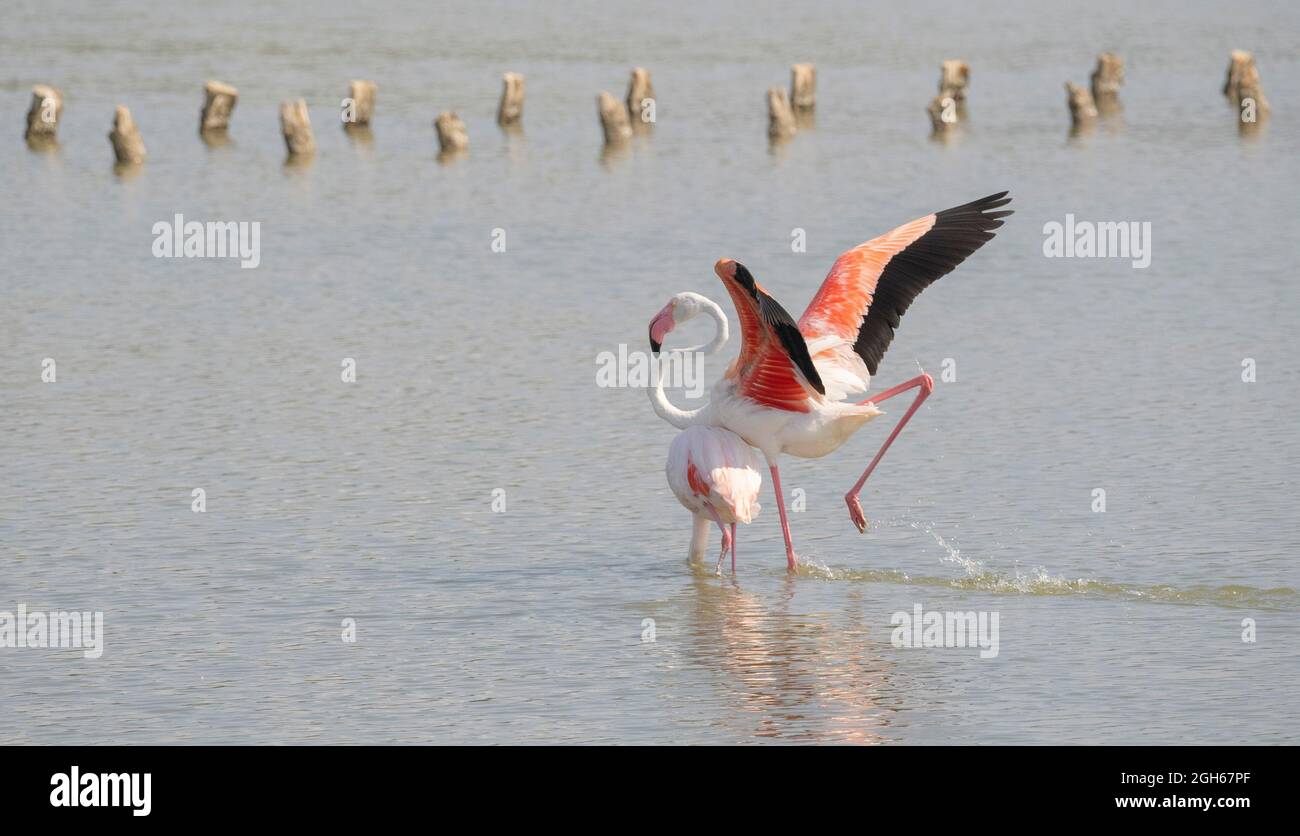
{"x":807,"y":435}
{"x":715,"y":475}
{"x":785,"y":392}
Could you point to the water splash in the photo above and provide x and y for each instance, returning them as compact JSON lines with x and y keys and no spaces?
{"x":1038,"y":581}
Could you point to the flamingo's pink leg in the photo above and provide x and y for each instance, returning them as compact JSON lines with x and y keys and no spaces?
{"x":726,"y":537}
{"x":733,"y":548}
{"x":926,"y":383}
{"x":791,"y":560}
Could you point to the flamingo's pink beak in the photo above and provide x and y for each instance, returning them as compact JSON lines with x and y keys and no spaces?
{"x":660,"y":327}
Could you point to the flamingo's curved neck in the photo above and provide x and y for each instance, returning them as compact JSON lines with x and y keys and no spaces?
{"x":720,"y":335}
{"x":681,"y":418}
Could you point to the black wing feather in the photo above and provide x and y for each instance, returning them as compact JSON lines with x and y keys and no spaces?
{"x":956,"y":233}
{"x":787,"y":331}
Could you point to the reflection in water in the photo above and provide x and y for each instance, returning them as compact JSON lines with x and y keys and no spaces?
{"x":1081,"y":130}
{"x":796,"y":677}
{"x":127,"y":171}
{"x":43,"y":144}
{"x":452,"y":155}
{"x":948,"y":135}
{"x":613,"y":153}
{"x":516,"y":148}
{"x":1252,"y":130}
{"x":778,"y":147}
{"x":359,"y":134}
{"x":215,"y":138}
{"x":298,"y":163}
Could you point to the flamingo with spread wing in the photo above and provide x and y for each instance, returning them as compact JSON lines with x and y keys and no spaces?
{"x":791,"y":389}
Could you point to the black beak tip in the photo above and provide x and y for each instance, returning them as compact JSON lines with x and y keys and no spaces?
{"x":654,"y":347}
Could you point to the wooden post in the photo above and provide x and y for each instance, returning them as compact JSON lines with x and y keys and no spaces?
{"x":295,"y":124}
{"x":43,"y":115}
{"x":1083,"y":110}
{"x":452,"y":137}
{"x":125,"y":136}
{"x":362,"y":94}
{"x":511,"y":111}
{"x":954,"y":76}
{"x":218,"y":103}
{"x":641,"y":113}
{"x":1106,"y":81}
{"x":613,"y":119}
{"x":780,"y":116}
{"x":803,"y":88}
{"x":1243,"y":82}
{"x":1238,"y":62}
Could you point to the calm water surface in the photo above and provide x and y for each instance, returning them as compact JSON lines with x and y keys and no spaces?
{"x":476,"y":372}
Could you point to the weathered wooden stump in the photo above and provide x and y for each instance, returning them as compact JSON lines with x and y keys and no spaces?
{"x":125,"y":136}
{"x":781,"y":123}
{"x":219,"y":102}
{"x":43,"y":115}
{"x":1107,"y":78}
{"x":613,"y":119}
{"x":641,"y":103}
{"x":511,"y":111}
{"x":295,"y":124}
{"x":1083,"y":109}
{"x":803,"y":88}
{"x":452,"y":136}
{"x":954,"y":77}
{"x":362,"y":94}
{"x":1242,"y":85}
{"x":1239,"y":61}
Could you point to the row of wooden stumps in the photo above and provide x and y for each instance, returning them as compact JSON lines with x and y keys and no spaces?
{"x":219,"y":100}
{"x":620,"y":120}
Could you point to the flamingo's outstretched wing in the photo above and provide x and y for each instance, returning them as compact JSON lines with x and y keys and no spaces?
{"x":870,"y":286}
{"x":774,"y":367}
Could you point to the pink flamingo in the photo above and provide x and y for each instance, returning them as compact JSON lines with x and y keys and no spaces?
{"x":785,"y":392}
{"x":715,"y":475}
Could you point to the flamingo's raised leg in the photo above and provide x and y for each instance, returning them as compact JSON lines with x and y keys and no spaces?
{"x":791,"y":559}
{"x":926,"y":384}
{"x":727,"y":538}
{"x":733,"y":548}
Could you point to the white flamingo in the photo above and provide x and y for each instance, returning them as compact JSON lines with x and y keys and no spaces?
{"x":715,"y":476}
{"x":786,"y":391}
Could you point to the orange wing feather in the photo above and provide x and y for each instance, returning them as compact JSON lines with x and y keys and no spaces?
{"x":845,"y":296}
{"x":764,"y":371}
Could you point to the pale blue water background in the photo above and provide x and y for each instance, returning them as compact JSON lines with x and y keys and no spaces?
{"x":476,"y":371}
